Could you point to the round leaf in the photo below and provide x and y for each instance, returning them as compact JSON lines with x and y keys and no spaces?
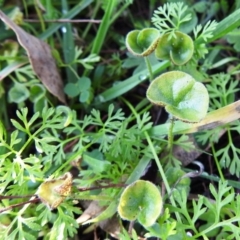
{"x":84,"y":84}
{"x":178,"y":48}
{"x":84,"y":96}
{"x":141,"y":201}
{"x":142,"y":43}
{"x":181,"y":95}
{"x":18,"y":93}
{"x":37,"y":91}
{"x":72,"y":89}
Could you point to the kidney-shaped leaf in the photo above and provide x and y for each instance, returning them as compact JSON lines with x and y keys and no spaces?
{"x":181,"y":95}
{"x":142,"y":43}
{"x":177,"y":48}
{"x":141,"y":201}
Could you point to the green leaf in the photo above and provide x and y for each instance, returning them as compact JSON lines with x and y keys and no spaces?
{"x":226,"y":25}
{"x":18,"y":93}
{"x":67,"y":114}
{"x":142,"y":201}
{"x":188,"y":26}
{"x":170,"y":16}
{"x":178,"y":48}
{"x":200,"y":7}
{"x":162,"y":230}
{"x":84,"y":96}
{"x":37,"y":91}
{"x":84,"y":83}
{"x":173,"y":175}
{"x":142,"y":43}
{"x":40,"y":103}
{"x":97,"y":165}
{"x":233,"y":38}
{"x":31,"y":223}
{"x":33,"y":118}
{"x":3,"y":132}
{"x":72,"y":89}
{"x":14,"y":138}
{"x":81,"y":86}
{"x":126,"y":85}
{"x":181,"y":95}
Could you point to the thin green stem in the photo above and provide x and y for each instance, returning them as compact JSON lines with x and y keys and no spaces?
{"x":149,"y":67}
{"x":73,"y":157}
{"x":31,"y":137}
{"x":97,"y":45}
{"x":93,"y":15}
{"x":218,"y":225}
{"x":68,"y":46}
{"x":4,"y":113}
{"x":217,"y":162}
{"x":42,"y":23}
{"x":170,"y":134}
{"x":119,"y":12}
{"x":157,"y":160}
{"x":160,"y":168}
{"x":102,"y":31}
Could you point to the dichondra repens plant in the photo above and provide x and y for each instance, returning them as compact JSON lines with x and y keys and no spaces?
{"x":37,"y":157}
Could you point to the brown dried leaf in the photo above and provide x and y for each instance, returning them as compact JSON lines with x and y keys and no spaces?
{"x":41,"y":59}
{"x":92,"y":210}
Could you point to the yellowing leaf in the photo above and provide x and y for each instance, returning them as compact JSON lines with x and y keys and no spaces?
{"x":53,"y":192}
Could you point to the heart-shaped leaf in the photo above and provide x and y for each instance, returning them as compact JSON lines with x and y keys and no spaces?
{"x":141,"y":201}
{"x":142,"y":43}
{"x":177,"y":47}
{"x":181,"y":95}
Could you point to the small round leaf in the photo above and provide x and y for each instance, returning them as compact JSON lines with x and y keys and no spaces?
{"x":84,"y":83}
{"x":37,"y":91}
{"x":142,"y":43}
{"x":181,"y":96}
{"x":178,"y":48}
{"x":18,"y":93}
{"x":72,"y":89}
{"x":84,"y":96}
{"x":141,"y":201}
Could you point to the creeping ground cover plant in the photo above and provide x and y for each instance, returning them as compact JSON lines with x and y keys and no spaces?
{"x":119,"y":132}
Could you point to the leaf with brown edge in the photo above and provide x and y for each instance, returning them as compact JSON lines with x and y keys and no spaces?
{"x":53,"y":192}
{"x":41,"y":59}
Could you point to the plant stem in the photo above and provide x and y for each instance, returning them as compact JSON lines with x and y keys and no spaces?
{"x":160,"y":168}
{"x":43,"y":27}
{"x":149,"y":67}
{"x":157,"y":161}
{"x":217,"y":163}
{"x":104,"y":26}
{"x":170,"y":134}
